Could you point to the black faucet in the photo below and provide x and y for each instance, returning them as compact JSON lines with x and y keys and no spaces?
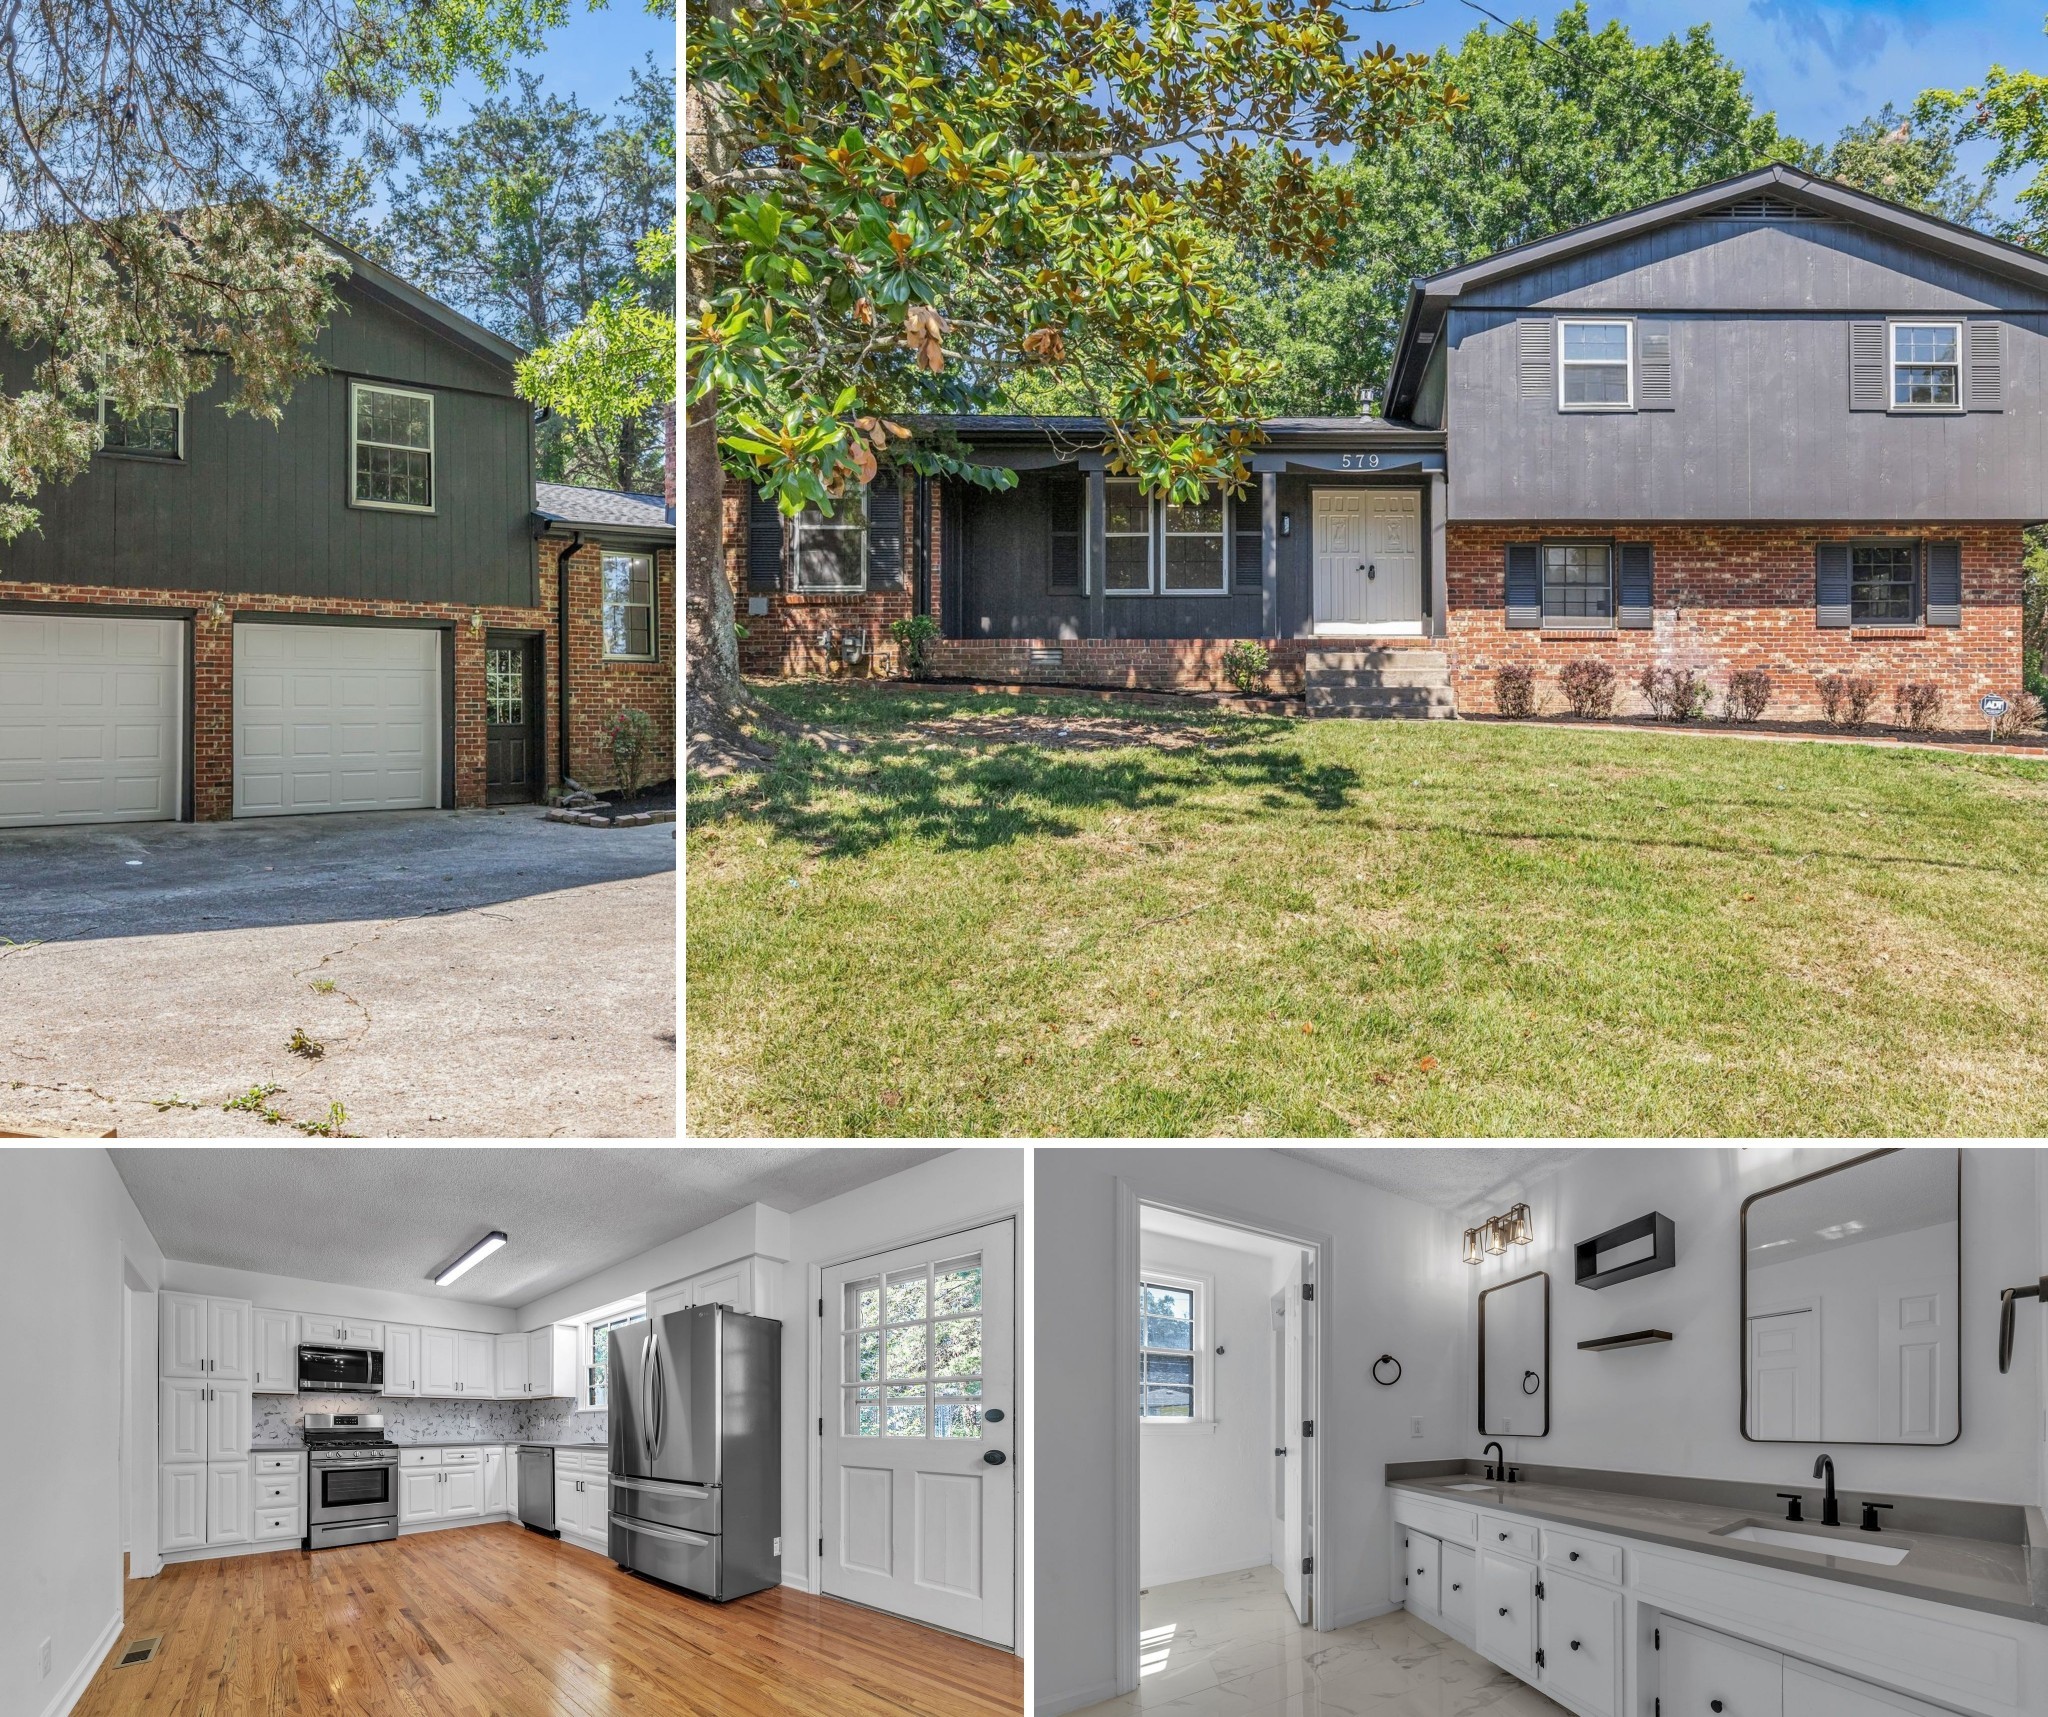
{"x":1830,"y":1510}
{"x":1500,"y":1472}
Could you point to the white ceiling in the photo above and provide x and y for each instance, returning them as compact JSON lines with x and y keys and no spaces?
{"x":1447,"y":1177}
{"x":1172,"y":1225}
{"x":1908,"y":1190}
{"x":389,"y":1219}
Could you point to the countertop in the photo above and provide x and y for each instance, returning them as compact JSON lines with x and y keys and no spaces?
{"x":1979,"y":1573}
{"x":297,"y":1447}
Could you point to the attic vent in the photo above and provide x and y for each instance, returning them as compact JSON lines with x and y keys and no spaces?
{"x":141,"y":1651}
{"x":1763,"y":208}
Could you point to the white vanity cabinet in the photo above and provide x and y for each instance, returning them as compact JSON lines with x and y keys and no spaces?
{"x":1506,"y":1601}
{"x":1459,"y":1604}
{"x":1581,"y":1643}
{"x":1706,"y":1674}
{"x":1420,"y":1570}
{"x":1811,"y":1691}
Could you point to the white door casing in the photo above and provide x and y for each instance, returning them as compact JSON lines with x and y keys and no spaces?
{"x":918,"y":1360}
{"x":91,"y":718}
{"x":1297,"y":1539}
{"x":336,"y":718}
{"x":1784,"y":1376}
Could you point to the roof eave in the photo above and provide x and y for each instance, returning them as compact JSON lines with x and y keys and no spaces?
{"x":458,"y":327}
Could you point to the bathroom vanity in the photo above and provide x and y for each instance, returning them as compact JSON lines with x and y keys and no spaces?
{"x":1619,"y":1595}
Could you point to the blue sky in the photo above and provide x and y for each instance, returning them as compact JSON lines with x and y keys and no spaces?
{"x":588,"y":57}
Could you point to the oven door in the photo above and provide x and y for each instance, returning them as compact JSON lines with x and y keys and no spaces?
{"x":358,"y":1491}
{"x":346,"y":1370}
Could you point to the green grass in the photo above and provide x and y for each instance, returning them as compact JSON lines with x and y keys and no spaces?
{"x":1353,"y":927}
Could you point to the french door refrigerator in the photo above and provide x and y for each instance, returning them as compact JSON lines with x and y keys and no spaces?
{"x":695,"y":1398}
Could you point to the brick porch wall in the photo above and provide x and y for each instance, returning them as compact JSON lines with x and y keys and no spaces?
{"x":598,"y":688}
{"x":1134,"y":664}
{"x":1730,"y":597}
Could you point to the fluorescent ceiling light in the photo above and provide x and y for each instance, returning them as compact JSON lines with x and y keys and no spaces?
{"x":474,"y":1256}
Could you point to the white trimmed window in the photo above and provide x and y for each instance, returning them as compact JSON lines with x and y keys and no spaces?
{"x":1191,"y":560}
{"x":628,"y":584}
{"x":391,"y":446}
{"x":1173,"y":1349}
{"x":1126,"y":538}
{"x":1594,"y":371}
{"x":831,"y":554}
{"x":157,"y":432}
{"x":594,"y":1346}
{"x":1927,"y":366}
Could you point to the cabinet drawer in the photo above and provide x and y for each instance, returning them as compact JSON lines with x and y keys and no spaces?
{"x":420,"y":1457}
{"x":1460,"y":1568}
{"x":1440,"y":1520}
{"x":278,"y":1523}
{"x":1500,"y":1532}
{"x":462,"y":1457}
{"x":1583,"y":1555}
{"x":277,"y":1493}
{"x":268,"y":1464}
{"x":581,"y":1460}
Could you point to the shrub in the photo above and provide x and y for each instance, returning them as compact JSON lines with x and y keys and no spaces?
{"x":1748,"y":695}
{"x":626,"y":737}
{"x":2023,"y":715}
{"x":1916,"y":703}
{"x":1514,"y":693}
{"x":914,"y":634}
{"x":1588,"y":687}
{"x":1862,"y":696}
{"x":1674,"y":694}
{"x":1847,"y":699}
{"x":1246,"y":664}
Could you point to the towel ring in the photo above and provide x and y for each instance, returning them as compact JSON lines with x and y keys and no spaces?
{"x":1386,"y":1359}
{"x":1527,"y":1378}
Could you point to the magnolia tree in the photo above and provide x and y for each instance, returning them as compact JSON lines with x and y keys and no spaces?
{"x":896,"y":207}
{"x":2010,"y":110}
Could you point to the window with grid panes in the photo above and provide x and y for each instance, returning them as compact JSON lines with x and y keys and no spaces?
{"x":1166,"y":1350}
{"x":910,"y":1346}
{"x":1882,"y":585}
{"x":1126,"y":538}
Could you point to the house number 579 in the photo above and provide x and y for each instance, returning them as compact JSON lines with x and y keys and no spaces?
{"x":1360,"y":461}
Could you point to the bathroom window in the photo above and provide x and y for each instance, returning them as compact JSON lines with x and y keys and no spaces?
{"x":1173,"y":1373}
{"x":594,"y":1354}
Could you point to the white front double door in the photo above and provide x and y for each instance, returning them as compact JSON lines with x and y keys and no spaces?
{"x":1367,"y":545}
{"x":919,"y":1447}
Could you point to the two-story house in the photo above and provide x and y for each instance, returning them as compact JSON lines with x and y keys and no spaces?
{"x":370,"y":605}
{"x":1774,"y":423}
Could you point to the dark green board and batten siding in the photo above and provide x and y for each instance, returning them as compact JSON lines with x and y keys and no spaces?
{"x":255,"y":508}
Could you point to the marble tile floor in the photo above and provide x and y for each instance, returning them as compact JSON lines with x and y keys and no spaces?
{"x":1229,"y":1646}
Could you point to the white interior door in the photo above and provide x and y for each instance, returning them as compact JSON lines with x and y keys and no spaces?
{"x":1784,"y":1376}
{"x":1913,"y":1328}
{"x":1337,"y":537}
{"x":919,"y":1475}
{"x":1297,"y":1536}
{"x":1393,"y":560}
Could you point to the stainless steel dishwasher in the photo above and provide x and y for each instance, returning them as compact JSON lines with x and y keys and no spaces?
{"x":537,"y":1488}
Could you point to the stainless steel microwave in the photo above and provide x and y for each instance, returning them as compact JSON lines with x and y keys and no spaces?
{"x":343,"y":1370}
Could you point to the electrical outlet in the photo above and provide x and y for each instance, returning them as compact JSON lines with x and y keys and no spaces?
{"x":43,"y":1656}
{"x":778,"y":1547}
{"x":1415,"y":1426}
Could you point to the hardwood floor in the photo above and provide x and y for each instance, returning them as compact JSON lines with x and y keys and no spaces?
{"x":496,"y":1621}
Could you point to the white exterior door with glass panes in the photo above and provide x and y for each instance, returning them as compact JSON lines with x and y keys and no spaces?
{"x":919,"y":1491}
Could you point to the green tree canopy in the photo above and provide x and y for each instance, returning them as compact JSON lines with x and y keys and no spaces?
{"x":2009,"y":109}
{"x":1913,"y":161}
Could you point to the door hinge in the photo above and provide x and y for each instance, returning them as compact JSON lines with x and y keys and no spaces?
{"x":1656,"y":1639}
{"x":1539,"y":1590}
{"x":1308,"y":1427}
{"x":1656,"y":1708}
{"x":821,"y":1547}
{"x":1308,"y":1290}
{"x":1308,"y":1564}
{"x":1539,"y":1657}
{"x":821,"y":1425}
{"x":821,"y":1308}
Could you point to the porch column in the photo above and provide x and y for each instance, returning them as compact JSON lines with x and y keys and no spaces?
{"x":1269,"y":552}
{"x":1097,"y":551}
{"x":1439,"y":562}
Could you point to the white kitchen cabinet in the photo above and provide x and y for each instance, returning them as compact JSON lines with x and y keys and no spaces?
{"x":1705,"y":1674}
{"x":229,"y":1421}
{"x":474,"y":1368}
{"x":1460,"y":1566}
{"x":181,"y":1420}
{"x":1582,"y":1643}
{"x":582,"y":1503}
{"x":511,"y":1366}
{"x":554,"y":1362}
{"x":1506,"y":1629}
{"x":228,"y":1518}
{"x":277,"y":1523}
{"x":437,"y":1362}
{"x":274,"y":1352}
{"x":341,"y":1332}
{"x":462,"y":1492}
{"x":419,"y":1494}
{"x":494,"y":1481}
{"x":1424,"y":1560}
{"x":203,"y":1337}
{"x":181,"y":1508}
{"x":568,"y":1500}
{"x":401,"y":1360}
{"x":227,"y":1340}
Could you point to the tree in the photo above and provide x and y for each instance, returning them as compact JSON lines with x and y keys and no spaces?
{"x":1915,"y":163}
{"x":526,"y":217}
{"x":1551,"y":134}
{"x":896,"y":205}
{"x":2010,"y":109}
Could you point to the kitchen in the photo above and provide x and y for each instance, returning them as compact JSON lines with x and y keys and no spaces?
{"x":350,"y":1393}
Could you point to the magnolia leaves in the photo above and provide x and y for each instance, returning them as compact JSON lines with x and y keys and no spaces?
{"x":923,"y":328}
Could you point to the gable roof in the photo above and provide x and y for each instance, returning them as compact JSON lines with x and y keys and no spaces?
{"x":1430,"y":298}
{"x":381,"y":283}
{"x":604,"y":511}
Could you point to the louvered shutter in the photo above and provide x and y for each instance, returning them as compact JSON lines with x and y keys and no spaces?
{"x":1831,"y":584}
{"x":764,"y":542}
{"x":1944,"y":584}
{"x":885,"y":532}
{"x":1534,"y":339}
{"x":1638,"y":585}
{"x":1656,"y":386}
{"x":1525,"y":585}
{"x":1984,"y":366}
{"x":1869,"y":388}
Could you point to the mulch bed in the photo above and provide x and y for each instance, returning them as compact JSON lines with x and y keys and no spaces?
{"x":656,"y":804}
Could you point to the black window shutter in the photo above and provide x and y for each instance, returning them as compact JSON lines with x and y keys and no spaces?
{"x":1984,"y":366}
{"x":1638,"y":585}
{"x":1534,"y":338}
{"x":1831,"y":584}
{"x":1656,"y":388}
{"x":1525,"y":585}
{"x":885,"y":532}
{"x":1944,"y":584}
{"x":764,"y":541}
{"x":1869,"y":373}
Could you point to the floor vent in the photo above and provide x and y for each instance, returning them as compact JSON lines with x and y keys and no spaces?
{"x":141,"y":1651}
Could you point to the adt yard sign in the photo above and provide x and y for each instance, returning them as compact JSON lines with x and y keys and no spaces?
{"x":1993,"y":707}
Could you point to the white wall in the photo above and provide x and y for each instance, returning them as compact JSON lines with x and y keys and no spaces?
{"x":69,"y":1233}
{"x":1206,"y":1491}
{"x":1676,"y":1407}
{"x":1391,"y":1283}
{"x":295,"y":1294}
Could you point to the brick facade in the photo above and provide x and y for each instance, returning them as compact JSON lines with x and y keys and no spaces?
{"x":599,"y":689}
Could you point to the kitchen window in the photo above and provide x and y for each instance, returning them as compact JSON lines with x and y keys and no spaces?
{"x":1927,"y":366}
{"x":1883,"y":584}
{"x":832,"y":553}
{"x":1173,"y":1371}
{"x":628,"y":583}
{"x":155,"y":432}
{"x":391,"y":442}
{"x":1594,"y":364}
{"x":1578,"y":584}
{"x":594,"y":1354}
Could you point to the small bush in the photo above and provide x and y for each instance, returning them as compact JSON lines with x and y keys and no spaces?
{"x":1246,"y":664}
{"x":1748,"y":695}
{"x":1673,"y":694}
{"x":1514,"y":693}
{"x":1847,"y":699}
{"x":626,"y":737}
{"x":1862,"y":696}
{"x":1916,"y":704}
{"x":1588,"y":687}
{"x":914,"y":635}
{"x":2023,"y":716}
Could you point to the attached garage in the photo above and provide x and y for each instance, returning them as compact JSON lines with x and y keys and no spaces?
{"x":336,"y":718}
{"x":91,"y":718}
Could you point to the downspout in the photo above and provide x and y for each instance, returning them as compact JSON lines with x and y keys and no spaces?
{"x":562,"y":650}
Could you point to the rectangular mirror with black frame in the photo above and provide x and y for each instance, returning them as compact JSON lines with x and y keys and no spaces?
{"x":1514,"y":1358}
{"x":1851,"y":1290}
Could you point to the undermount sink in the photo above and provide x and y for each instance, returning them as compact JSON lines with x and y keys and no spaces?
{"x":1855,"y":1550}
{"x":1471,"y":1487}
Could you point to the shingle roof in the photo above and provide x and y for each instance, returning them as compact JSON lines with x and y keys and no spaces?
{"x":569,"y":504}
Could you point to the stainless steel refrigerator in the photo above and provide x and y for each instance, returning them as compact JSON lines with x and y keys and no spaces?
{"x":695,"y":1399}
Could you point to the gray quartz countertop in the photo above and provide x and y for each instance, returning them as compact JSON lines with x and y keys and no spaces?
{"x":2004,"y":1572}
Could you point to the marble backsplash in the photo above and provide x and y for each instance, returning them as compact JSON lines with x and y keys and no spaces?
{"x":278,"y":1418}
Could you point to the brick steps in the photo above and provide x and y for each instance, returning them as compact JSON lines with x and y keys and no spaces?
{"x":1410,"y":685}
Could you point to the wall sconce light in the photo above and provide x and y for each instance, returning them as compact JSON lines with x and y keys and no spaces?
{"x":1287,"y":524}
{"x":217,"y":611}
{"x":1519,"y":1230}
{"x":1496,"y":1236}
{"x":1471,"y":1245}
{"x":1493,"y":1236}
{"x":476,"y":621}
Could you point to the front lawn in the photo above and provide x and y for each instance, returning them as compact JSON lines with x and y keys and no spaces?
{"x":1180,"y":923}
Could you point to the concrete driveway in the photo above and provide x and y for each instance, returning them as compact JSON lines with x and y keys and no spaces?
{"x":465,"y":974}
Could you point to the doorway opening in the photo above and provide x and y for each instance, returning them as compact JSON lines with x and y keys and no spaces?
{"x":1226,"y":1404}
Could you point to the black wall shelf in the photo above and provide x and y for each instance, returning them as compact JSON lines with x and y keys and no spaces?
{"x":1655,"y":1227}
{"x":1634,"y":1338}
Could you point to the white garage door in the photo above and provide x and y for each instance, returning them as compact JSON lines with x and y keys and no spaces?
{"x":90,"y":711}
{"x":336,"y":718}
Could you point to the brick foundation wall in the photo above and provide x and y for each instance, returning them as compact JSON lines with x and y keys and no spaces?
{"x":1730,"y":597}
{"x":599,"y":689}
{"x":1135,"y":664}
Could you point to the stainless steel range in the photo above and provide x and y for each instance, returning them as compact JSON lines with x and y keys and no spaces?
{"x":351,"y":1480}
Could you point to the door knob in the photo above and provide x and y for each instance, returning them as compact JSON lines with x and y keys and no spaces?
{"x":1372,"y":572}
{"x":995,"y":1457}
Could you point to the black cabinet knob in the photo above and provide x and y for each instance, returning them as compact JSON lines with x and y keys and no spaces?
{"x":1574,"y":1555}
{"x":994,"y":1415}
{"x":995,"y":1457}
{"x":1456,"y":1587}
{"x":1713,"y":1705}
{"x":1422,"y":1570}
{"x":1503,"y":1539}
{"x":1503,"y":1609}
{"x":1575,"y":1645}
